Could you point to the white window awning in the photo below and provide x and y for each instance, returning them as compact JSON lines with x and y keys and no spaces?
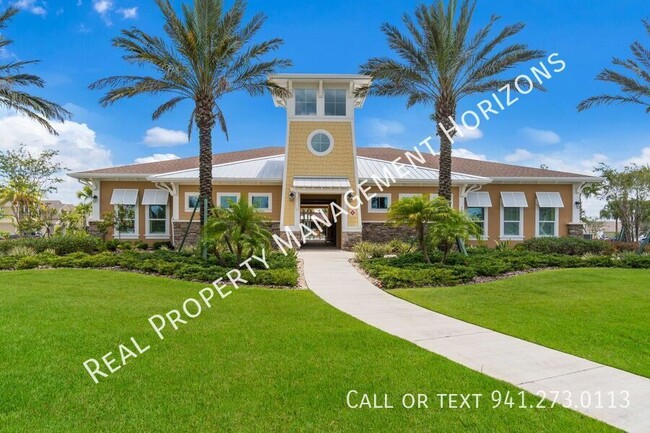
{"x":155,"y":197}
{"x":321,"y":182}
{"x":124,"y":196}
{"x":549,"y":199}
{"x":478,"y":199}
{"x":514,"y":199}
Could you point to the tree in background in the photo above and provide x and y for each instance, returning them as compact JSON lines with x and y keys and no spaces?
{"x":12,"y":79}
{"x":24,"y":180}
{"x":206,"y":55}
{"x":448,"y":226}
{"x":439,"y":64}
{"x":633,"y":81}
{"x":627,"y":193}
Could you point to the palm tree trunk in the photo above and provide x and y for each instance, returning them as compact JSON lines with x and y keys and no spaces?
{"x":205,"y":170}
{"x":205,"y":121}
{"x":423,"y":244}
{"x":445,"y":110}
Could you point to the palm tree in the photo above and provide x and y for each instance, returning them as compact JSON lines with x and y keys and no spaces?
{"x":439,"y":64}
{"x":24,"y":198}
{"x":208,"y":54}
{"x":11,"y":78}
{"x":241,"y":227}
{"x":85,"y":207}
{"x":416,"y":212}
{"x":635,"y":88}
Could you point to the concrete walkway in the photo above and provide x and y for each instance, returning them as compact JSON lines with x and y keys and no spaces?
{"x":529,"y":366}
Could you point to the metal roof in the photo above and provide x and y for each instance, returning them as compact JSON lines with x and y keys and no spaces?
{"x":370,"y":168}
{"x":259,"y":169}
{"x":271,"y":168}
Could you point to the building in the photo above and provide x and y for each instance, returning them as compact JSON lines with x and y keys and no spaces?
{"x":6,"y":219}
{"x":320,"y":164}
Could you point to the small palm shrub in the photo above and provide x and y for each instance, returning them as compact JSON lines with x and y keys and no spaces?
{"x":21,"y":251}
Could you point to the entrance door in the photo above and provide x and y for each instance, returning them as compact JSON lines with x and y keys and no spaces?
{"x":319,"y":207}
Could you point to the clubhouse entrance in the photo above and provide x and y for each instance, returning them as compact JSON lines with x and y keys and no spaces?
{"x":318,"y":206}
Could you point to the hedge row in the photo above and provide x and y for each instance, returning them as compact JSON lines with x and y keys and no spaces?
{"x":409,"y":270}
{"x":577,"y":246}
{"x":281,"y":273}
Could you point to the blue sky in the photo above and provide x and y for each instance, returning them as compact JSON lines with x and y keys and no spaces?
{"x":72,"y":38}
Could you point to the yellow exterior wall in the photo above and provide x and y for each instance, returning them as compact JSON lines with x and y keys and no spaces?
{"x":301,"y":162}
{"x":244,"y":190}
{"x":494,"y":213}
{"x":395,"y":191}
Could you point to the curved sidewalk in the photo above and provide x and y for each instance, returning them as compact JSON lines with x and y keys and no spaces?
{"x":529,"y":366}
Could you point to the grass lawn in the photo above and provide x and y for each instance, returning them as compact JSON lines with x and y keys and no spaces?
{"x":259,"y":360}
{"x":599,"y":314}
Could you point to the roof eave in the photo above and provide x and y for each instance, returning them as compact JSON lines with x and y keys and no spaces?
{"x":547,"y":179}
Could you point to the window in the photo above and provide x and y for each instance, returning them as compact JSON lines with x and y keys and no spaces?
{"x":335,"y":100}
{"x":191,"y":200}
{"x":126,"y":221}
{"x":157,"y":219}
{"x":379,"y":203}
{"x":478,"y":214}
{"x":305,"y":102}
{"x":548,"y":205}
{"x":320,"y":142}
{"x":261,"y":201}
{"x":224,"y":199}
{"x":512,"y":222}
{"x":546,"y":221}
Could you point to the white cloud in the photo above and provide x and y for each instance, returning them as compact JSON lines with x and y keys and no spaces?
{"x":128,"y":13}
{"x":161,"y":137}
{"x":466,"y":153}
{"x":540,"y":136}
{"x":383,"y":128}
{"x":519,"y":155}
{"x":103,"y":8}
{"x":156,"y":157}
{"x":642,"y":159}
{"x":32,"y":6}
{"x":467,"y":134}
{"x":77,"y":145}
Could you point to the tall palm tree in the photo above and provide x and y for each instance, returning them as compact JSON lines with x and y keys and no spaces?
{"x":634,"y":86}
{"x":438,"y":64}
{"x":11,"y":79}
{"x":207,"y":54}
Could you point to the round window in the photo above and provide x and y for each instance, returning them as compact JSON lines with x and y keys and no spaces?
{"x":320,"y":143}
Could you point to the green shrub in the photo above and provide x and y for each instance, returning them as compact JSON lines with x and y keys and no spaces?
{"x":568,"y":246}
{"x":158,"y":245}
{"x":370,"y":250}
{"x":274,"y":277}
{"x":112,"y":245}
{"x":21,"y":251}
{"x":392,"y":278}
{"x":142,"y":246}
{"x":28,"y":262}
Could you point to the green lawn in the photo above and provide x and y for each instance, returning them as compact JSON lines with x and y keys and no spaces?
{"x":260,"y":360}
{"x":599,"y":314}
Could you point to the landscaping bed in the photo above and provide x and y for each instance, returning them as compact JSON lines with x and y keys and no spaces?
{"x":394,"y":266}
{"x":88,"y":252}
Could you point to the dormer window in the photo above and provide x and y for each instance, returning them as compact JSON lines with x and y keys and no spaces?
{"x":305,"y":102}
{"x":335,"y":101}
